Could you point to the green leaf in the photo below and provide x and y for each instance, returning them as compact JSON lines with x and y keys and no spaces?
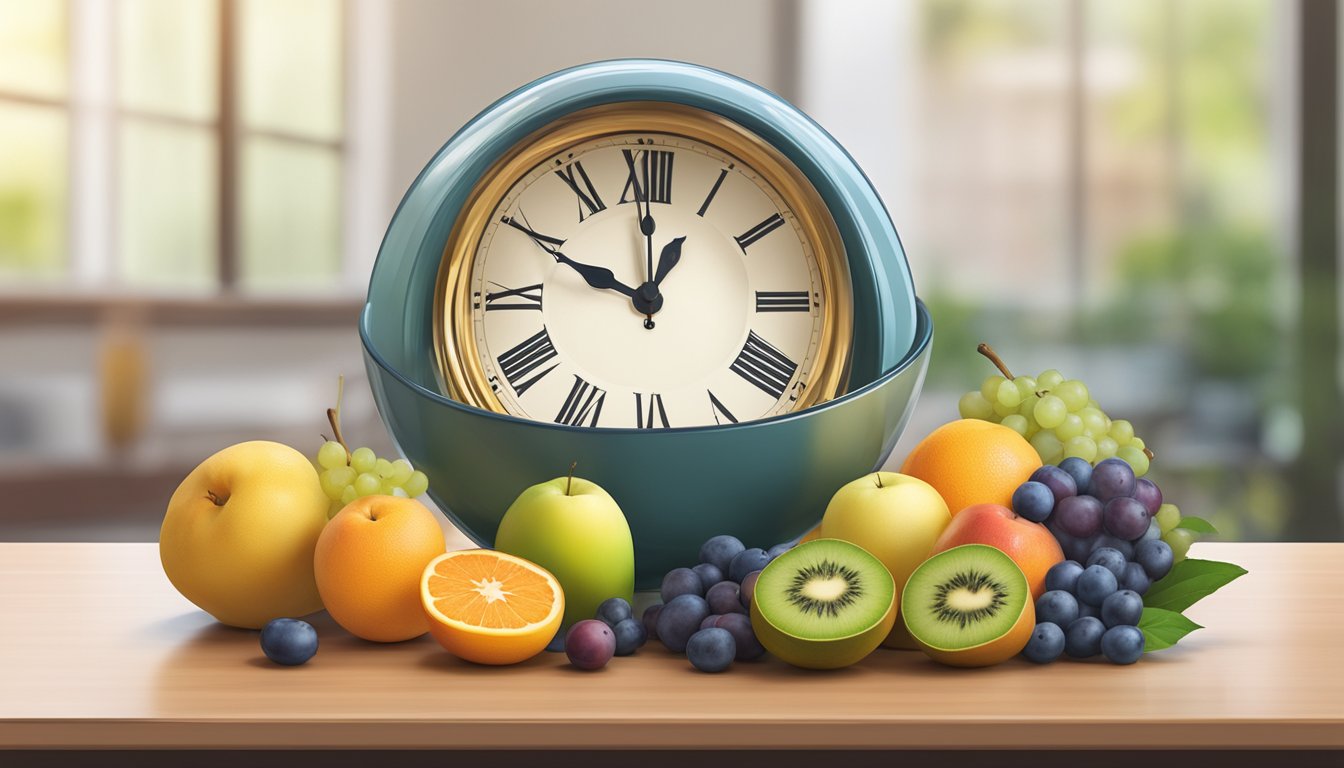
{"x":1189,"y":582}
{"x":1162,"y":628}
{"x":1197,"y":524}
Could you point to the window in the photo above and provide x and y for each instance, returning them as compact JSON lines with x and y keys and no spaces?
{"x":181,"y":146}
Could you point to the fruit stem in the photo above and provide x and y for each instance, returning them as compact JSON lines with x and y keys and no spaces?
{"x":218,"y":500}
{"x":570,"y":482}
{"x":994,"y":358}
{"x":878,"y":477}
{"x":334,"y":416}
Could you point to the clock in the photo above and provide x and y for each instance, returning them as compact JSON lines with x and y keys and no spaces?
{"x":643,"y":265}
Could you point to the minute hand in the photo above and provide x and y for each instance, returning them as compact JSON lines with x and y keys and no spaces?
{"x":668,"y":259}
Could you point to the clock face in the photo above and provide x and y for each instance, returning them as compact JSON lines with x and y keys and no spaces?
{"x":646,"y":280}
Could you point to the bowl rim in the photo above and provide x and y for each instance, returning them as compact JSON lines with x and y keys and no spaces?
{"x":919,"y":349}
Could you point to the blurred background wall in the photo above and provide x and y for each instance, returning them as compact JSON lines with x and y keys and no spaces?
{"x":192,"y":193}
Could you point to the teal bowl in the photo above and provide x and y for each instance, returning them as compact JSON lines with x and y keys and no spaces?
{"x":765,"y":481}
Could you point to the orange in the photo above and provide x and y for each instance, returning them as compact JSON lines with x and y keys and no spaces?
{"x":973,"y":462}
{"x":490,"y":607}
{"x":368,"y":564}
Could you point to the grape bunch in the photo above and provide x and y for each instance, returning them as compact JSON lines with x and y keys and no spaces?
{"x":1088,"y":610}
{"x":1058,"y":416}
{"x":704,"y":612}
{"x":348,"y":475}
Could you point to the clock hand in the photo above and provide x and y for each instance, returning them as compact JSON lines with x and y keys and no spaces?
{"x":668,"y":259}
{"x":597,"y":277}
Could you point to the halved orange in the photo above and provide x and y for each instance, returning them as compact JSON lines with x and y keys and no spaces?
{"x":490,"y":607}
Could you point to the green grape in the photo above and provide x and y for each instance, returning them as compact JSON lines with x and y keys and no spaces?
{"x":1081,"y":446}
{"x":1168,"y":517}
{"x":1095,"y":404}
{"x":1050,"y":379}
{"x":348,"y":495}
{"x":331,"y":455}
{"x":1106,"y":448}
{"x":1122,"y":431}
{"x":989,"y":388}
{"x":335,"y":481}
{"x":1016,"y":422}
{"x":1074,"y":394}
{"x":1094,"y":422}
{"x":382,"y":468}
{"x":1026,"y":386}
{"x":973,"y":405}
{"x":363,"y":460}
{"x":386,"y":488}
{"x":1002,"y":410}
{"x":1050,"y":412}
{"x":1008,"y":396}
{"x":1137,"y":442}
{"x":1071,"y":428}
{"x":417,"y":485}
{"x":1136,"y":459}
{"x":1179,"y":539}
{"x":400,"y":493}
{"x":1047,"y":447}
{"x":1028,"y":406}
{"x":401,"y":472}
{"x":367,"y":484}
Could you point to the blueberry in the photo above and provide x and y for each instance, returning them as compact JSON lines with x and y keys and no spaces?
{"x":725,"y":597}
{"x":1088,"y":610}
{"x":739,"y":626}
{"x":1079,"y":470}
{"x":745,"y":562}
{"x":557,"y":644}
{"x":1154,"y":532}
{"x":1136,"y":579}
{"x":1122,"y":546}
{"x":679,"y":619}
{"x":1155,"y":557}
{"x":711,"y":650}
{"x":630,"y":636}
{"x":1064,"y":576}
{"x":1082,"y":638}
{"x":709,"y":574}
{"x":1034,"y":500}
{"x":1057,"y":607}
{"x":1096,"y":584}
{"x":681,"y":581}
{"x":650,"y":620}
{"x":1122,"y":644}
{"x":290,"y":642}
{"x":614,"y":610}
{"x":778,"y":550}
{"x":1110,"y":558}
{"x":720,"y":551}
{"x":1124,"y":607}
{"x":1080,"y":549}
{"x":1046,"y":643}
{"x":1060,"y":483}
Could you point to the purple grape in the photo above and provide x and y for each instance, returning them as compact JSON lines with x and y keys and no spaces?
{"x":739,"y":626}
{"x":1123,"y":546}
{"x":650,"y":620}
{"x":681,"y":581}
{"x":1125,"y":518}
{"x":680,"y":619}
{"x":1034,"y":501}
{"x":1079,"y":470}
{"x":725,"y":597}
{"x":711,"y":650}
{"x":749,"y":588}
{"x":1063,"y":576}
{"x":1061,"y":483}
{"x":720,"y":551}
{"x":1079,"y":516}
{"x":1080,"y":549}
{"x":630,"y":636}
{"x":1108,"y":558}
{"x":1135,"y":579}
{"x":709,"y":574}
{"x":613,"y":611}
{"x":1147,"y":492}
{"x":590,"y":644}
{"x":709,"y":621}
{"x":1112,"y":479}
{"x":745,"y":562}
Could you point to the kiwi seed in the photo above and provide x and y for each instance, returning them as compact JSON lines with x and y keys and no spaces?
{"x":825,"y":588}
{"x":971,"y":586}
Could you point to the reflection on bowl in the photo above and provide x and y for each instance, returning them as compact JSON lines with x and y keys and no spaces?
{"x":765,"y":481}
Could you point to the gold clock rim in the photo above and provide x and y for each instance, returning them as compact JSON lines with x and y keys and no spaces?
{"x":456,"y":352}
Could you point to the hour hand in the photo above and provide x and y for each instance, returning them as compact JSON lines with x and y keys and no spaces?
{"x":597,"y":277}
{"x":668,"y":259}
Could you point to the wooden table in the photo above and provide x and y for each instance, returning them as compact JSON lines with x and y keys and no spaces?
{"x":98,"y":651}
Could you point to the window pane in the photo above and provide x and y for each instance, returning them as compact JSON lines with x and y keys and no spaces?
{"x":168,"y":194}
{"x":291,"y":66}
{"x":168,"y":56}
{"x":33,"y":190}
{"x":33,"y":47}
{"x":291,"y":215}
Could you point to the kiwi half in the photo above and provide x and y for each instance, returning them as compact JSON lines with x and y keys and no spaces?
{"x":969,"y":606}
{"x":824,"y":604}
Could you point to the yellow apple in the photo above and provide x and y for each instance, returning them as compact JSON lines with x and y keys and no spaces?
{"x":897,"y":518}
{"x":240,"y":531}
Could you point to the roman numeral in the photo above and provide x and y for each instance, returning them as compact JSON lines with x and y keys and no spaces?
{"x":518,"y":362}
{"x":546,"y":242}
{"x":527,"y":297}
{"x":717,"y":408}
{"x":654,"y":416}
{"x":583,"y":404}
{"x":745,"y":239}
{"x":781,"y":301}
{"x":714,"y":190}
{"x":583,"y":187}
{"x":764,"y":366}
{"x":654,"y":167}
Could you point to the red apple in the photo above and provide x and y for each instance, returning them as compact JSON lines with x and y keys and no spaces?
{"x":1030,"y":545}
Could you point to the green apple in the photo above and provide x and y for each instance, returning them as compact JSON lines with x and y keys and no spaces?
{"x":897,"y":518}
{"x":575,"y":530}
